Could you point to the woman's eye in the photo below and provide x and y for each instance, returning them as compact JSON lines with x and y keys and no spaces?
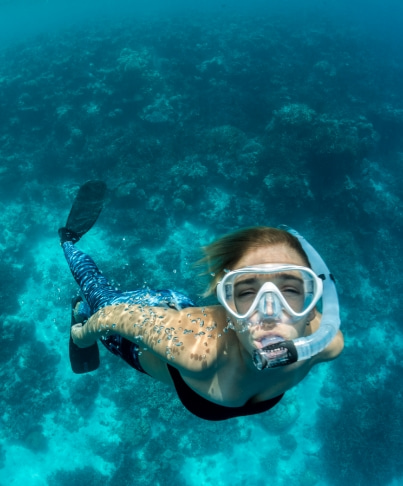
{"x":246,"y":294}
{"x":291,"y":291}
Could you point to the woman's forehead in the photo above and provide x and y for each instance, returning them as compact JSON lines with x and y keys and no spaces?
{"x":269,"y":254}
{"x":259,"y":278}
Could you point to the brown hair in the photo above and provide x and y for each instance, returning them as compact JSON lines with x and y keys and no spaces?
{"x":223,"y":253}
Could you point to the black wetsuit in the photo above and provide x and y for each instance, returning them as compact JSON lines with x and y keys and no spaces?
{"x":207,"y":410}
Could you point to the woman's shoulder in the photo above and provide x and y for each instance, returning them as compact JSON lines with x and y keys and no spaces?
{"x":208,"y":318}
{"x":188,"y":339}
{"x":333,"y":350}
{"x":209,"y":311}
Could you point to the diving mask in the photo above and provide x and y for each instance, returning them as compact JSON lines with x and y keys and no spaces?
{"x":274,"y":292}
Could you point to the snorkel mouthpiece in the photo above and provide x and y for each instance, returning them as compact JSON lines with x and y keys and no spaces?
{"x":275,"y":355}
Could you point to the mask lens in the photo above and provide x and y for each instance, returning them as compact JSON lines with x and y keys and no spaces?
{"x":295,"y":286}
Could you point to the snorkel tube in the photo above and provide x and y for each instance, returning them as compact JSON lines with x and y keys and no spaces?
{"x":287,"y":352}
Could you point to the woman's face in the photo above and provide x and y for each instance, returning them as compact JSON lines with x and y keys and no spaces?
{"x":256,"y":336}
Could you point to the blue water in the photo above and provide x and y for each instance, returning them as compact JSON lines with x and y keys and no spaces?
{"x":201,"y":119}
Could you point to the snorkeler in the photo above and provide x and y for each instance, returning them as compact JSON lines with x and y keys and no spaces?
{"x":228,"y":360}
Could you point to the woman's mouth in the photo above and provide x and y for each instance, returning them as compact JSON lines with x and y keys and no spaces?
{"x":264,"y":341}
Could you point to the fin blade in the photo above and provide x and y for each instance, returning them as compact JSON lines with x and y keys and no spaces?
{"x":87,"y":206}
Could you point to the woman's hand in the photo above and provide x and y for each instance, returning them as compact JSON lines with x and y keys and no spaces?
{"x":82,"y":336}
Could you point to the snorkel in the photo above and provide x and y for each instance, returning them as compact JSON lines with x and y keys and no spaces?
{"x":287,"y":352}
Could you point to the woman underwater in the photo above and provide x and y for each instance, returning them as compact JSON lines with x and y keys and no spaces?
{"x":228,"y":360}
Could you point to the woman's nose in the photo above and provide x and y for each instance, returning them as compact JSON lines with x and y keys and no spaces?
{"x":270,"y":305}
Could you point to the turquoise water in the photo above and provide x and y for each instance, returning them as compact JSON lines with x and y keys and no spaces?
{"x":201,"y":120}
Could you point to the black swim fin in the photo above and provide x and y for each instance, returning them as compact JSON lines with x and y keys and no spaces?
{"x":86,"y":208}
{"x":82,"y":360}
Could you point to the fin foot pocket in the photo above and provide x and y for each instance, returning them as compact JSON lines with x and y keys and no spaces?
{"x":67,"y":235}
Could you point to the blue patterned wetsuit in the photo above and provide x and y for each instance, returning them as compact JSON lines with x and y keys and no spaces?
{"x":98,"y":292}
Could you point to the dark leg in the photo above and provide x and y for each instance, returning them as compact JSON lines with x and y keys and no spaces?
{"x":97,"y":290}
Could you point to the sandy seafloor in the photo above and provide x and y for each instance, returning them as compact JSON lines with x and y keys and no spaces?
{"x":201,"y":120}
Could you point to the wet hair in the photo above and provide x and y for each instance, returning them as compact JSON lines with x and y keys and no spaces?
{"x":223,"y":253}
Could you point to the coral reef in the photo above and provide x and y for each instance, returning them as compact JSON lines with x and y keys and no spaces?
{"x":199,"y":125}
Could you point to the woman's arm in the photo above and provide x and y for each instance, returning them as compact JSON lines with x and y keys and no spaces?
{"x":171,"y":335}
